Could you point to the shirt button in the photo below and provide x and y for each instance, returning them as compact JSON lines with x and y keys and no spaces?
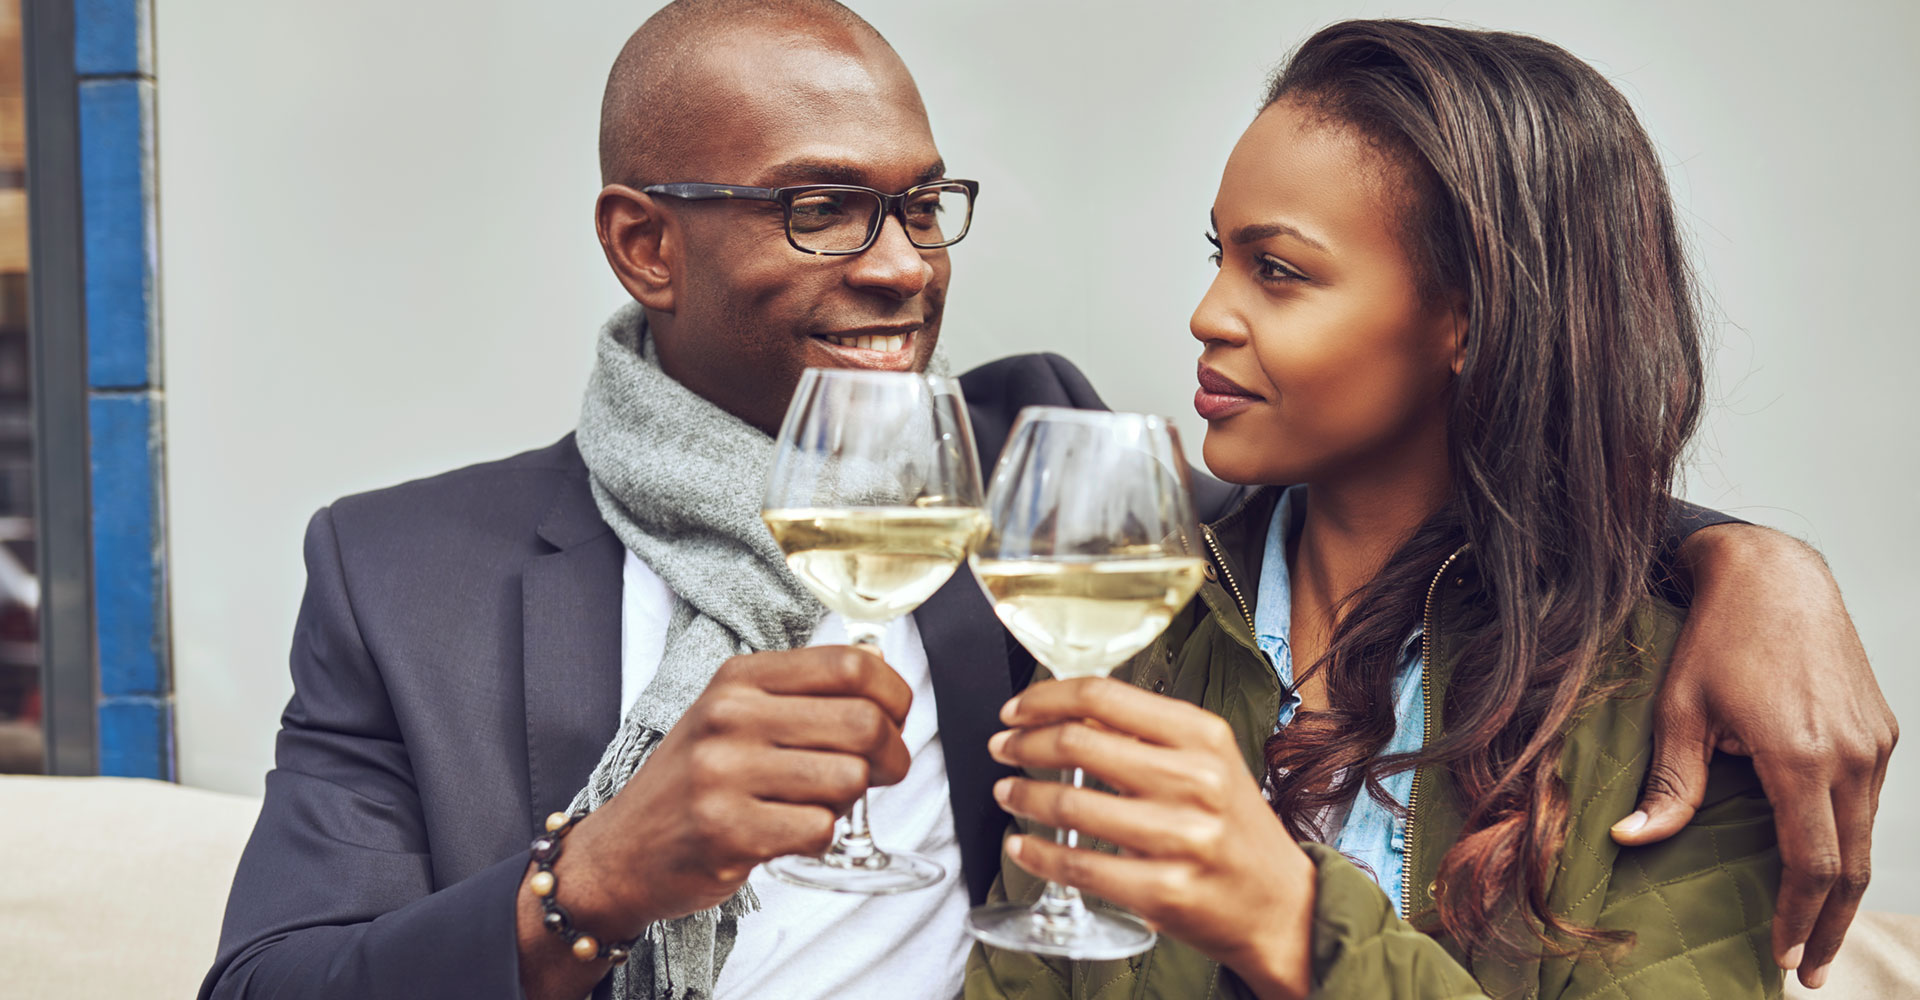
{"x":1160,"y":686}
{"x":1208,"y":571}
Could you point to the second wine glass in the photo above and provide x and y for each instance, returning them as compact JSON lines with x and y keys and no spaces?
{"x":1092,"y":549}
{"x":874,"y":497}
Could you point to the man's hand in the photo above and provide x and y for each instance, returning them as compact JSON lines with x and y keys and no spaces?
{"x":777,"y":747}
{"x":1769,"y":666}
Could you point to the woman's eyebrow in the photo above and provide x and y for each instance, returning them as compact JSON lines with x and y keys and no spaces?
{"x":1257,"y":231}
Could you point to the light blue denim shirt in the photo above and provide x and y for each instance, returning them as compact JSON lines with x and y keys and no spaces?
{"x":1371,"y":834}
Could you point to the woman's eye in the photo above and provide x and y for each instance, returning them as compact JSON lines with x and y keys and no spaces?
{"x":1272,"y":270}
{"x":1215,"y":255}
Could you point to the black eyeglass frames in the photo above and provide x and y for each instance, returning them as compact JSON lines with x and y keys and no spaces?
{"x":839,"y":219}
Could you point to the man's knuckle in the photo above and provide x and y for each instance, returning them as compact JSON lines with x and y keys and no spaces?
{"x":1821,"y":868}
{"x":1853,"y":883}
{"x":850,"y":669}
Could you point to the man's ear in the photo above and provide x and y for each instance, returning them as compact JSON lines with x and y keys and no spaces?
{"x":642,"y":243}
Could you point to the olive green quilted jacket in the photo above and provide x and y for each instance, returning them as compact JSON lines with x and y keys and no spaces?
{"x":1700,"y":904}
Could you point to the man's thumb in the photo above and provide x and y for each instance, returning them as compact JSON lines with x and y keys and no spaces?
{"x":1676,"y":783}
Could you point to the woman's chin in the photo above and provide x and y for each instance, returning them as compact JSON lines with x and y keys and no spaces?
{"x":1232,"y":459}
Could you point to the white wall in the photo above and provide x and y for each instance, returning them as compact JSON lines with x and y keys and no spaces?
{"x":379,"y":261}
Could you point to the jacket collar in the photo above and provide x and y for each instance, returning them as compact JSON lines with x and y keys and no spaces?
{"x":570,"y":620}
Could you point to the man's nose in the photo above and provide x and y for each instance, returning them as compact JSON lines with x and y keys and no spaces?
{"x":892,"y":265}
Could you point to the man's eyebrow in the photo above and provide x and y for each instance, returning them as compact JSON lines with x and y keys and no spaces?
{"x":829,"y":172}
{"x":1255,"y":232}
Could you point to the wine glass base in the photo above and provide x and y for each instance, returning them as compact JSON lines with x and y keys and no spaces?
{"x":895,"y":871}
{"x":1093,"y":935}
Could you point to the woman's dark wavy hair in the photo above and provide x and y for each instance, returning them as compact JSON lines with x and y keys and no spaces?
{"x":1533,"y":198}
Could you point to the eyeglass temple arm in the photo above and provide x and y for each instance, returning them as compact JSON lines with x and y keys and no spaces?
{"x":709,"y":192}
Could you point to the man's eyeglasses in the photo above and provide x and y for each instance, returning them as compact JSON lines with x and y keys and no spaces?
{"x":838,"y":219}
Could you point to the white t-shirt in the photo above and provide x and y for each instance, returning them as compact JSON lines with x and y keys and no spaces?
{"x":807,"y":943}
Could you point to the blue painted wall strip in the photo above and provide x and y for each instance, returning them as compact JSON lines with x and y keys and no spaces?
{"x":113,"y":58}
{"x":116,"y":139}
{"x":129,"y":561}
{"x":136,"y":738}
{"x":112,"y":37}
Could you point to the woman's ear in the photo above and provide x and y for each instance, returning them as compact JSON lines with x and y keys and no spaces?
{"x":642,"y":243}
{"x":1456,"y":325}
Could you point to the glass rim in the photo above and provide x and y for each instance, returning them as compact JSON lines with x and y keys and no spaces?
{"x":1073,"y":414}
{"x":881,"y":375}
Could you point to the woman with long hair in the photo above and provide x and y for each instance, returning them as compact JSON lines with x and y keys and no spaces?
{"x":1453,"y":309}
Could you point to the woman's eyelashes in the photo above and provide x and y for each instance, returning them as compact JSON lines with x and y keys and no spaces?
{"x":1269,"y":267}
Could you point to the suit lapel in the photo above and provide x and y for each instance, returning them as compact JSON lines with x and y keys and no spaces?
{"x":967,"y":657}
{"x":571,"y":620}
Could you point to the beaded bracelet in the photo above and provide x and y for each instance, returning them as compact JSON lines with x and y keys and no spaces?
{"x":546,"y":850}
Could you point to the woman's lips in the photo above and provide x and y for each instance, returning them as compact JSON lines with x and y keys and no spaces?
{"x":1220,"y":397}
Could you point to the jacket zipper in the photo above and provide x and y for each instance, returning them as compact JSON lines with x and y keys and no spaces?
{"x":1426,"y":730}
{"x":1233,"y":586}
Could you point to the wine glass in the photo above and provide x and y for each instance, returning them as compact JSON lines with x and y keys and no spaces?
{"x":874,"y":497}
{"x":1091,"y":551}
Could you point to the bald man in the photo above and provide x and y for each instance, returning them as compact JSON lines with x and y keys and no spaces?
{"x":470,"y":644}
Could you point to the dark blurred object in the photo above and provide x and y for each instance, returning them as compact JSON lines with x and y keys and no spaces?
{"x":22,"y":746}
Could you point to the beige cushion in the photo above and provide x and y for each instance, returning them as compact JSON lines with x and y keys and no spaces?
{"x":1879,"y":959}
{"x":115,"y":886}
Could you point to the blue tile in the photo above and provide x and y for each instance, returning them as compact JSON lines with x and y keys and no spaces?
{"x":112,"y":37}
{"x":136,"y":738}
{"x":129,"y":557}
{"x":117,"y":205}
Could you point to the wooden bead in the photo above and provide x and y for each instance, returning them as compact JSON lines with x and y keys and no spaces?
{"x":585,"y":948}
{"x":555,"y":821}
{"x":541,"y":883}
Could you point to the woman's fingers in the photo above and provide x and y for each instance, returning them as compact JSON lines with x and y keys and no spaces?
{"x":1122,"y":708}
{"x":1144,"y":886}
{"x":1145,"y":828}
{"x":1122,"y":761}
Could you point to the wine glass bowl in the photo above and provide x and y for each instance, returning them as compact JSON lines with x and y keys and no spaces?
{"x":1090,"y":551}
{"x":874,"y":498}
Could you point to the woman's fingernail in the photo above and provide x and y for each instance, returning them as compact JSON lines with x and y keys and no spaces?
{"x":1014,"y":845}
{"x":1002,"y":790}
{"x":1010,"y":710}
{"x":1793,"y":957}
{"x":1632,"y":824}
{"x":997,"y":741}
{"x":1818,"y":977}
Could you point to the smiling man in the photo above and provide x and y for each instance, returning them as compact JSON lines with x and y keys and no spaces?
{"x":603,"y":625}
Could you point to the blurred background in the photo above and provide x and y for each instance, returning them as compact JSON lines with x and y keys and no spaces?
{"x":376,"y":261}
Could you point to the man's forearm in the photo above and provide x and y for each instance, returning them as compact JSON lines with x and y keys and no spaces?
{"x":1740,"y":557}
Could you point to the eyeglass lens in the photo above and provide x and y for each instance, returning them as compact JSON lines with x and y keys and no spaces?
{"x":838,"y":220}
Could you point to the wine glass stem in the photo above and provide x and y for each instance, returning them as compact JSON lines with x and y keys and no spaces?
{"x":1060,"y":911}
{"x":853,"y":847}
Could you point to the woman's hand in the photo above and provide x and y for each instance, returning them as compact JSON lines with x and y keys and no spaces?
{"x":1206,"y":860}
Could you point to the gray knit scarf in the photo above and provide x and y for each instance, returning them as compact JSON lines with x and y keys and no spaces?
{"x":680,"y":481}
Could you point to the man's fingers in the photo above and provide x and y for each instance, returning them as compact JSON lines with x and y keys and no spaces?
{"x":1676,"y":781}
{"x":1853,"y":808}
{"x":845,"y":725}
{"x":1149,"y":829}
{"x":1809,"y":851}
{"x":806,"y":777}
{"x":832,"y":671}
{"x":1121,"y":707}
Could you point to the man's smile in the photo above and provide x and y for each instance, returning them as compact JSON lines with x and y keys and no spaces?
{"x":884,"y":348}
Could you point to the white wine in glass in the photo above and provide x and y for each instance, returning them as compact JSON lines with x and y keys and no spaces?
{"x":874,"y":497}
{"x":1091,"y":551}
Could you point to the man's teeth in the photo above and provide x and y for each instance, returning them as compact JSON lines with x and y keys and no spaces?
{"x":894,"y":342}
